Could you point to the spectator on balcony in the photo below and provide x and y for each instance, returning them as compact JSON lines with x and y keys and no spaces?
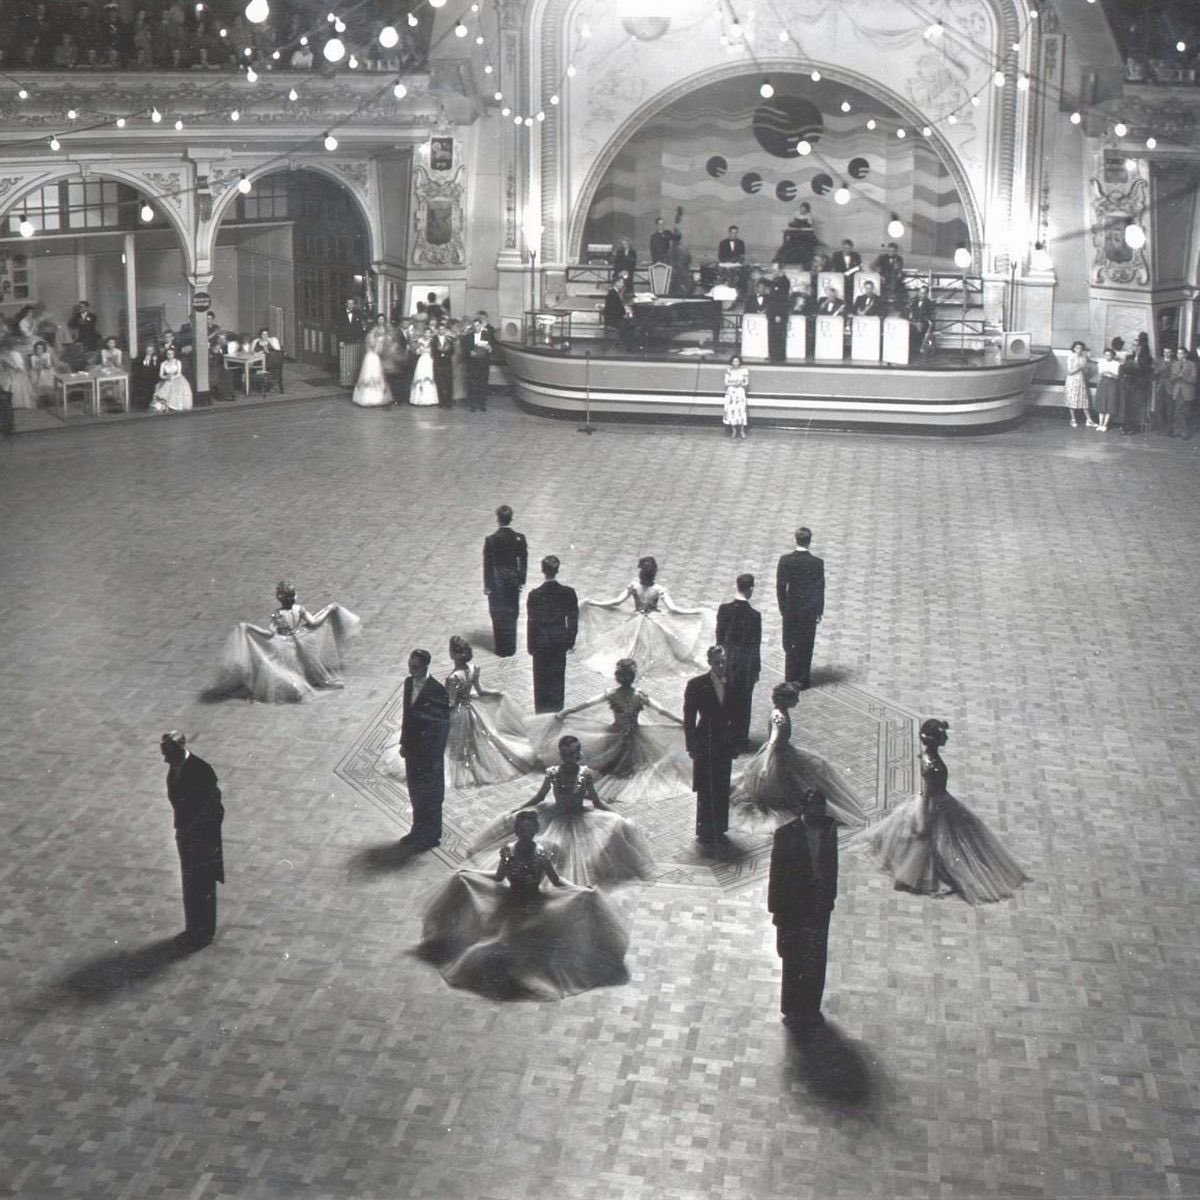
{"x":110,"y":32}
{"x":203,"y":62}
{"x":1134,"y":70}
{"x":86,"y":25}
{"x":66,"y":54}
{"x":167,"y":37}
{"x":302,"y":58}
{"x":141,"y":39}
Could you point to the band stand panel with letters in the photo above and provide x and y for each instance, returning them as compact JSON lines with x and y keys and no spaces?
{"x":831,"y":279}
{"x":754,"y":335}
{"x":865,"y":335}
{"x":797,"y":337}
{"x":896,"y":332}
{"x":831,"y":338}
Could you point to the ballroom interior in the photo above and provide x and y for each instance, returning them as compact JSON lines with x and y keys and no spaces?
{"x":1030,"y":582}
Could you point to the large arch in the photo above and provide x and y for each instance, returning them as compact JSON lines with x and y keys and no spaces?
{"x":664,"y":99}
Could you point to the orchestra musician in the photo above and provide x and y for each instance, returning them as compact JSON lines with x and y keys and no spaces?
{"x":800,"y":239}
{"x":618,"y":316}
{"x":624,"y":258}
{"x":779,"y":306}
{"x":759,"y":300}
{"x":867,"y":303}
{"x":662,"y":240}
{"x":731,"y":249}
{"x":831,"y":304}
{"x":847,"y":260}
{"x":920,"y":321}
{"x":780,"y":285}
{"x":890,"y":268}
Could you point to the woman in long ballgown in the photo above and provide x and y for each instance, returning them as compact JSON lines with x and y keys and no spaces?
{"x":588,"y":845}
{"x":423,"y":392}
{"x":935,"y":845}
{"x":371,"y":390}
{"x":506,"y":937}
{"x":659,"y":635}
{"x":633,"y":759}
{"x":41,"y":371}
{"x":16,"y":376}
{"x":300,"y":653}
{"x":174,"y":393}
{"x":484,"y":744}
{"x":761,"y":796}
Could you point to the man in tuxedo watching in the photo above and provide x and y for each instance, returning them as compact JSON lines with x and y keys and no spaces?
{"x":800,"y":590}
{"x":731,"y":249}
{"x":505,"y":558}
{"x":551,"y":624}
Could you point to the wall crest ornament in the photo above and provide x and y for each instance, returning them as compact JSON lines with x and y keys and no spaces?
{"x":438,"y":220}
{"x":1114,"y":207}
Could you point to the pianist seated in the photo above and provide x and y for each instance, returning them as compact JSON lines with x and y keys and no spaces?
{"x":618,"y":316}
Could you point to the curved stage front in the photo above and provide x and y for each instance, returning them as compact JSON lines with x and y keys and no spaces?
{"x":946,"y":394}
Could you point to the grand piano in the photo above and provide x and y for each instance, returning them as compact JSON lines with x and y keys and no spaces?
{"x":660,"y":319}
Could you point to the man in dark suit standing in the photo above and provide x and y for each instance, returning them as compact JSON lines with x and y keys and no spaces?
{"x":662,"y":241}
{"x":739,"y":630}
{"x":731,"y":249}
{"x":552,"y":621}
{"x":83,"y":325}
{"x":441,"y":350}
{"x":708,"y":734}
{"x":800,"y":897}
{"x":478,"y":343}
{"x":196,"y":800}
{"x":779,"y":308}
{"x":920,"y":320}
{"x":890,"y":266}
{"x":800,"y":589}
{"x":505,"y":558}
{"x":423,"y":731}
{"x":846,"y":259}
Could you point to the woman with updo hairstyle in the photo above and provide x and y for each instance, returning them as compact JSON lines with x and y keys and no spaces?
{"x":762,"y":795}
{"x":41,"y":371}
{"x":634,"y":756}
{"x":934,"y":845}
{"x":589,"y":845}
{"x":507,"y":936}
{"x":297,"y":656}
{"x":665,"y":639}
{"x":486,"y":742}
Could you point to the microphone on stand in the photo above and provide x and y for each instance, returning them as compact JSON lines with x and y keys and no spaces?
{"x":587,"y":426}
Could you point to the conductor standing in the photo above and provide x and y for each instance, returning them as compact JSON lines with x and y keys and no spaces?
{"x":505,"y":558}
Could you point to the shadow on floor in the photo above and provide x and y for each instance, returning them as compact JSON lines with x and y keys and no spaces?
{"x":823,"y":675}
{"x":377,"y":860}
{"x":100,"y":979}
{"x":834,"y":1070}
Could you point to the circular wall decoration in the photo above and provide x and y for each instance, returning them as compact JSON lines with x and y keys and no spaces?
{"x":785,"y":190}
{"x":751,"y":182}
{"x":716,"y":166}
{"x":822,"y":184}
{"x":783,"y":122}
{"x":859,"y":168}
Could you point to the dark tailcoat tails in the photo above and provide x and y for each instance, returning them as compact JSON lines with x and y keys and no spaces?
{"x":800,"y":896}
{"x":196,"y":800}
{"x":423,"y":732}
{"x":505,"y":558}
{"x":800,"y":588}
{"x":708,"y":731}
{"x":552,"y":622}
{"x":739,"y":630}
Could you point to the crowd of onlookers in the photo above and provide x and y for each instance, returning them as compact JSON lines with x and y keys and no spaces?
{"x":203,"y":35}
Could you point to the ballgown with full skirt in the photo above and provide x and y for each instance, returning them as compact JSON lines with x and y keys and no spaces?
{"x":634,"y":757}
{"x":300,"y":654}
{"x":661,"y":642}
{"x":955,"y":853}
{"x":587,"y":845}
{"x":518,"y":940}
{"x":423,"y":392}
{"x":371,"y":390}
{"x":765,"y":788}
{"x":485,"y":743}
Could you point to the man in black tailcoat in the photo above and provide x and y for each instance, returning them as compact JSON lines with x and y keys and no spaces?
{"x":846,"y":259}
{"x":441,"y":350}
{"x":83,"y":325}
{"x":779,"y":308}
{"x":920,"y":320}
{"x":662,"y":240}
{"x":423,"y":731}
{"x":196,"y":800}
{"x":800,"y":590}
{"x":505,"y":558}
{"x":801,"y":893}
{"x":478,"y":343}
{"x":552,"y":622}
{"x":890,"y":266}
{"x":708,"y":734}
{"x":731,"y":249}
{"x":739,"y":630}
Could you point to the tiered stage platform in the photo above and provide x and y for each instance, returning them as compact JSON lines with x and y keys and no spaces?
{"x":945,"y":393}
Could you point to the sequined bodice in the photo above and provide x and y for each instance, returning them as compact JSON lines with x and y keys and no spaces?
{"x":525,"y":874}
{"x":933,"y":776}
{"x":626,"y":705}
{"x":782,"y":722}
{"x":458,"y":687}
{"x":286,"y":620}
{"x":645,"y":599}
{"x":569,"y":791}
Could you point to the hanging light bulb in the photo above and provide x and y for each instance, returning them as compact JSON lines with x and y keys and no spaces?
{"x":902,"y":133}
{"x":22,"y":94}
{"x":766,"y":89}
{"x":330,"y":18}
{"x":1151,"y":143}
{"x":257,"y":11}
{"x":1023,"y":83}
{"x":293,"y":95}
{"x":55,"y":144}
{"x":251,"y":75}
{"x":247,"y":52}
{"x":842,"y":195}
{"x":497,"y":96}
{"x":871,"y":123}
{"x":1181,"y":46}
{"x":479,"y":39}
{"x":235,"y":115}
{"x":412,"y":21}
{"x":998,"y":79}
{"x":815,"y":76}
{"x":243,"y":185}
{"x":460,"y":30}
{"x":155,"y":116}
{"x":528,"y":122}
{"x":339,"y":26}
{"x":275,"y":55}
{"x":803,"y":146}
{"x":571,"y":72}
{"x":353,"y":62}
{"x":487,"y":68}
{"x":399,"y":91}
{"x":541,"y":115}
{"x":506,"y":111}
{"x":935,"y":31}
{"x":783,"y":36}
{"x":895,"y":227}
{"x":304,"y":40}
{"x":962,"y":256}
{"x":120,"y":122}
{"x":975,"y":101}
{"x":952,"y":119}
{"x":389,"y":35}
{"x":334,"y":50}
{"x":146,"y":213}
{"x":224,"y":33}
{"x":331,"y":143}
{"x":71,"y":114}
{"x":178,"y":124}
{"x":845,"y":106}
{"x":517,"y":120}
{"x":437,"y":3}
{"x":25,"y":229}
{"x":1076,"y":118}
{"x":1135,"y":236}
{"x":927,"y":131}
{"x":554,"y":98}
{"x":1120,"y":129}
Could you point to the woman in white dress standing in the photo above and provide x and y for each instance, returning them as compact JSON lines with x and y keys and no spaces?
{"x":1075,"y":389}
{"x":174,"y":393}
{"x":371,"y":390}
{"x":737,"y":380}
{"x":423,"y":393}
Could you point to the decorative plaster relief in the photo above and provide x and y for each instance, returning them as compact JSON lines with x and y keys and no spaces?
{"x":1114,"y":206}
{"x":438,"y":220}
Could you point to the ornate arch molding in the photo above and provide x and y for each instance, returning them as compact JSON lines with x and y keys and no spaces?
{"x":730,"y":71}
{"x":355,"y":176}
{"x":544,"y":28}
{"x":169,"y":185}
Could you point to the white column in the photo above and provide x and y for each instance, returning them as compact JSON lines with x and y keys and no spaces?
{"x":200,"y":283}
{"x":81,"y":278}
{"x":131,"y":293}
